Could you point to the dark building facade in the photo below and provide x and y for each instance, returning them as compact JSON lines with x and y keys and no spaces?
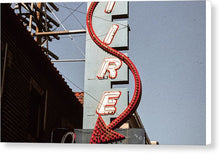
{"x":35,"y":99}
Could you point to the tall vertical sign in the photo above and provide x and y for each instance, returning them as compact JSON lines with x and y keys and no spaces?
{"x":113,"y":108}
{"x":102,"y":69}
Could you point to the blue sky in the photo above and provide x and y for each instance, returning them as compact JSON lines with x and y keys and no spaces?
{"x":167,"y":45}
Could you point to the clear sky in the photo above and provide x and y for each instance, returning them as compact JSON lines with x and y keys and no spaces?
{"x":167,"y":45}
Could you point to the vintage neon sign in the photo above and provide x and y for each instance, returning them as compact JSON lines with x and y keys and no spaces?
{"x":110,"y":65}
{"x":103,"y":133}
{"x":107,"y":103}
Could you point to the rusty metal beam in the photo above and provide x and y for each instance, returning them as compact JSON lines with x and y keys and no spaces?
{"x":60,"y":32}
{"x":38,"y":29}
{"x":54,"y":6}
{"x":34,"y":20}
{"x":48,"y":8}
{"x":54,"y":35}
{"x":25,"y":21}
{"x":30,"y":18}
{"x":50,"y":53}
{"x":39,"y":24}
{"x":28,"y":8}
{"x":40,"y":21}
{"x":48,"y":17}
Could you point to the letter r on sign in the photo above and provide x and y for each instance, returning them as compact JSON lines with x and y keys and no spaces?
{"x":111,"y":65}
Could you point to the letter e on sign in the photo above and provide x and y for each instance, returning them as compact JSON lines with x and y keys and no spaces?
{"x":107,"y":103}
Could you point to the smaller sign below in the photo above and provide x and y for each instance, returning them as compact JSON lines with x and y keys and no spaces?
{"x":132,"y":136}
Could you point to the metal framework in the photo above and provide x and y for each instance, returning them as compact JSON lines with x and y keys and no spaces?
{"x":37,"y":18}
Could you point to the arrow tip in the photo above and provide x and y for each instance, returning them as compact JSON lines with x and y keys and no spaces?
{"x":103,"y":134}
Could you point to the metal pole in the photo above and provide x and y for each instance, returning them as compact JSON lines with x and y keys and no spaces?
{"x":30,"y":19}
{"x":60,"y":32}
{"x":38,"y":38}
{"x":4,"y":68}
{"x":45,"y":110}
{"x":46,"y":27}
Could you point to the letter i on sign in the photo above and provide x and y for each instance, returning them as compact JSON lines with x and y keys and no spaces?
{"x":109,"y":7}
{"x":114,"y":28}
{"x":111,"y":34}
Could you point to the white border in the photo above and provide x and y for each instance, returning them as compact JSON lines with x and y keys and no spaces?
{"x":25,"y":148}
{"x":208,"y":72}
